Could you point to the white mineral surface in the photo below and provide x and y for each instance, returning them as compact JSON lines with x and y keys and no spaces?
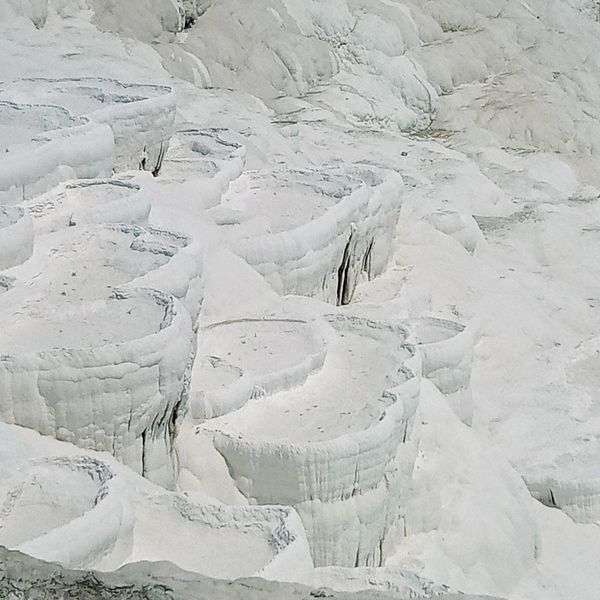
{"x":303,"y":290}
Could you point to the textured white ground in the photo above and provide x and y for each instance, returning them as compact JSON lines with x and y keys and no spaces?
{"x":349,"y":335}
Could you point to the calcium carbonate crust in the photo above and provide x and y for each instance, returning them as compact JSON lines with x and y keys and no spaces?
{"x":446,"y":350}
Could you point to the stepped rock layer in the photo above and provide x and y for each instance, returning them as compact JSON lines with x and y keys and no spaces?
{"x":446,"y":350}
{"x":35,"y":491}
{"x":206,"y":152}
{"x":239,"y":360}
{"x":84,"y":509}
{"x":314,"y":232}
{"x":43,"y":145}
{"x":343,"y":477}
{"x":77,"y":264}
{"x":141,"y":116}
{"x":202,"y":537}
{"x":303,"y":181}
{"x":93,"y":201}
{"x":106,"y":375}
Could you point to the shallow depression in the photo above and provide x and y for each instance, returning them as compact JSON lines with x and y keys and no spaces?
{"x":345,"y":396}
{"x":40,"y":326}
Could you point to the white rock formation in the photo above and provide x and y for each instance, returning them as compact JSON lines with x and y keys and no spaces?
{"x":86,"y":510}
{"x":54,"y":530}
{"x":106,"y":375}
{"x":43,"y":145}
{"x":428,"y":167}
{"x":335,"y":463}
{"x":92,"y":201}
{"x":446,"y":350}
{"x":241,"y":359}
{"x":141,"y":116}
{"x":314,"y":232}
{"x":209,"y":153}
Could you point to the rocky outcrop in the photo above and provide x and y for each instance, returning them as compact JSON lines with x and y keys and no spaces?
{"x":25,"y":578}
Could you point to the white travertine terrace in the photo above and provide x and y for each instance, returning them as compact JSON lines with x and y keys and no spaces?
{"x":19,"y":123}
{"x":141,"y":116}
{"x":88,"y":202}
{"x":35,"y":492}
{"x":446,"y":350}
{"x":241,"y":359}
{"x":209,"y":153}
{"x":463,"y":228}
{"x":106,"y":375}
{"x":201,"y":539}
{"x":334,"y":462}
{"x":318,"y":144}
{"x":314,"y":232}
{"x":81,"y":263}
{"x":181,"y":271}
{"x":90,"y":511}
{"x":43,"y":145}
{"x":16,"y":236}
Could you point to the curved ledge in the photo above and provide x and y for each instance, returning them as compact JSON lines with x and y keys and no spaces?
{"x":254,"y":366}
{"x":343,"y":479}
{"x":270,"y":540}
{"x":95,"y":201}
{"x":141,"y":116}
{"x":181,"y":274}
{"x":204,"y":152}
{"x":46,"y":151}
{"x":109,"y":375}
{"x":47,"y":527}
{"x":333,"y":225}
{"x":446,"y":349}
{"x":77,"y":264}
